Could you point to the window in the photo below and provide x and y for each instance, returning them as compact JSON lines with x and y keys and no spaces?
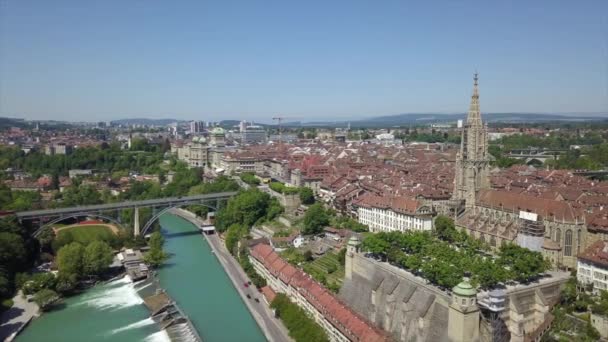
{"x":568,"y":243}
{"x":493,"y":241}
{"x":578,"y":242}
{"x":558,"y":236}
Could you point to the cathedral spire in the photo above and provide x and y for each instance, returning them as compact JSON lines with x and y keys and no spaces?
{"x":474,"y":116}
{"x":472,"y":167}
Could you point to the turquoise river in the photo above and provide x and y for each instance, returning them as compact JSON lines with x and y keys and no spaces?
{"x":114,"y":312}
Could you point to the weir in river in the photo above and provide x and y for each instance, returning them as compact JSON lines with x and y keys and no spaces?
{"x":114,"y":311}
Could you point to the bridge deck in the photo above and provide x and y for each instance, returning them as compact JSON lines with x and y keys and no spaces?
{"x":124,"y":205}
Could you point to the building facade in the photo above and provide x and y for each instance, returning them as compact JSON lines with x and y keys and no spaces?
{"x":411,"y":309}
{"x":340,"y":323}
{"x":592,"y":266}
{"x":387,"y":214}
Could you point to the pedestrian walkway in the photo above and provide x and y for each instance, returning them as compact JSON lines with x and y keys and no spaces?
{"x":15,"y":318}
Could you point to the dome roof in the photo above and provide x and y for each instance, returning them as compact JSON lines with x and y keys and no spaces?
{"x":464,"y":289}
{"x":217,"y":131}
{"x":354,"y":241}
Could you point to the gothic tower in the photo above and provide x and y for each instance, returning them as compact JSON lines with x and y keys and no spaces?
{"x":351,"y":249}
{"x":472,"y":162}
{"x":463,"y":314}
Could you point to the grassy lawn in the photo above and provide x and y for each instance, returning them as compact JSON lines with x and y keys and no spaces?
{"x":324,"y":265}
{"x":88,"y":233}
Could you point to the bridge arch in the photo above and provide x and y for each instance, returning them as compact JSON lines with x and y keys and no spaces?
{"x":535,"y":161}
{"x":59,"y":219}
{"x":155,"y":217}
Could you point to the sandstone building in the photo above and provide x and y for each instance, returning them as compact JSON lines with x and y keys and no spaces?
{"x":472,"y":161}
{"x":412,"y":309}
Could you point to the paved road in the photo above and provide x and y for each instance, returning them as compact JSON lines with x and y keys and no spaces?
{"x":272,"y":327}
{"x":13,"y":319}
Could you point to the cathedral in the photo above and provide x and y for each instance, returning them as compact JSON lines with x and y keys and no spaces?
{"x":549,"y":211}
{"x":472,"y":162}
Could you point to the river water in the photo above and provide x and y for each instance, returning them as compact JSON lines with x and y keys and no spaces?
{"x":193,"y":277}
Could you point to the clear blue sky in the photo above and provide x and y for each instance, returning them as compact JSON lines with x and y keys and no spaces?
{"x":101,"y":60}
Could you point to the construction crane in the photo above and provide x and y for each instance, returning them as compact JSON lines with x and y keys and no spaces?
{"x":280,"y":120}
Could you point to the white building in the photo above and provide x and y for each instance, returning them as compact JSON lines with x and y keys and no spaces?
{"x":253,"y":134}
{"x":197,"y":127}
{"x":195,"y":153}
{"x":386,"y":214}
{"x":592,"y":266}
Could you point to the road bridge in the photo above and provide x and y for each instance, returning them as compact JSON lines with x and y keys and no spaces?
{"x":47,"y":217}
{"x":591,"y":173}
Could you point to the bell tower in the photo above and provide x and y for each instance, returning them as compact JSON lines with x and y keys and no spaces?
{"x":472,"y":162}
{"x":351,"y":249}
{"x":463,"y":316}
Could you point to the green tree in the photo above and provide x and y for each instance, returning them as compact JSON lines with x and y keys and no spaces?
{"x":80,"y":195}
{"x":46,"y":298}
{"x":97,"y":257}
{"x":39,"y":281}
{"x":249,"y":178}
{"x":315,"y":219}
{"x":156,"y":256}
{"x":70,"y":259}
{"x":66,"y":283}
{"x":307,"y":196}
{"x":308,"y":255}
{"x":234,"y":233}
{"x":12,"y":251}
{"x":444,"y":228}
{"x":247,"y":208}
{"x":375,"y":244}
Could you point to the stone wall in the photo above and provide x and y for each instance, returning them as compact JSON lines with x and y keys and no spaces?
{"x":396,"y":301}
{"x":290,"y":202}
{"x":411,"y":309}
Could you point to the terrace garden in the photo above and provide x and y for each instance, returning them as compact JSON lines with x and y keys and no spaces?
{"x":443,"y":257}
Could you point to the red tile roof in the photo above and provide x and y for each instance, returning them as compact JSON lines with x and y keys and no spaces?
{"x":596,"y":254}
{"x":546,"y":208}
{"x":396,"y":204}
{"x":352,"y":325}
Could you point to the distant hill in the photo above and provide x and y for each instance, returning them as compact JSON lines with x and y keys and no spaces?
{"x":425,"y":119}
{"x":143,"y":121}
{"x":12,"y":122}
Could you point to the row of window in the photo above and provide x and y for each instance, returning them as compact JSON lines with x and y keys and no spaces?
{"x":568,"y":240}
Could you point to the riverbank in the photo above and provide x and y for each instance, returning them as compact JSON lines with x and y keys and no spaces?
{"x":15,"y":319}
{"x":272,"y":327}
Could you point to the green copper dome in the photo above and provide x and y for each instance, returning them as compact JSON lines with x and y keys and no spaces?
{"x":217,"y":131}
{"x":464,"y":289}
{"x":353,"y":241}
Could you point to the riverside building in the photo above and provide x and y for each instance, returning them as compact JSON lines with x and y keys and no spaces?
{"x":340,"y":322}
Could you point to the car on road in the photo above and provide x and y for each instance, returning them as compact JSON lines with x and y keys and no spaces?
{"x":245,"y":284}
{"x":248,"y":296}
{"x":257,"y":300}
